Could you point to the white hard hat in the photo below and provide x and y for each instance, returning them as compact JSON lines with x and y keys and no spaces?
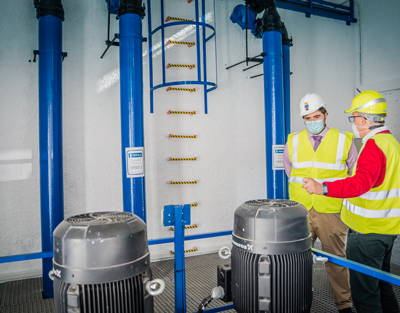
{"x":310,"y":103}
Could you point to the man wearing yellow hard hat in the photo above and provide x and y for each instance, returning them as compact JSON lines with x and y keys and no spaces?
{"x":371,"y":205}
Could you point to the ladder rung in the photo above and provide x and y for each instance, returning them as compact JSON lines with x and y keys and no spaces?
{"x":170,"y":18}
{"x":194,"y":182}
{"x":182,"y":136}
{"x":189,"y":44}
{"x":186,"y":251}
{"x":182,"y":112}
{"x":181,"y":89}
{"x":186,"y":227}
{"x":190,"y":66}
{"x":183,"y":159}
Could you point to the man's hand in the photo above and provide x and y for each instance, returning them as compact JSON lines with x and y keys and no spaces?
{"x":312,"y":186}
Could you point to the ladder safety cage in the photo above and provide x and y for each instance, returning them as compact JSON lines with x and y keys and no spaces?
{"x":171,"y":22}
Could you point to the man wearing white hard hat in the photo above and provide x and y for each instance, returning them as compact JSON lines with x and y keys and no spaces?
{"x":324,"y":154}
{"x":371,"y":205}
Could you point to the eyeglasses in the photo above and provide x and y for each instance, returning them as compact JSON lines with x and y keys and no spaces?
{"x":352,"y":118}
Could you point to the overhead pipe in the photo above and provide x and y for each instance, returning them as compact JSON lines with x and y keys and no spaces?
{"x":286,"y":44}
{"x":50,"y":14}
{"x":271,"y":28}
{"x":130,"y":14}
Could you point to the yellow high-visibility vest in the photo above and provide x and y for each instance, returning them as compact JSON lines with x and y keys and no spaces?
{"x":378,"y":210}
{"x":328,"y":163}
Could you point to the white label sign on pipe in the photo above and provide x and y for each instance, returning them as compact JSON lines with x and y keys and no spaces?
{"x":134,"y":162}
{"x":277,"y":157}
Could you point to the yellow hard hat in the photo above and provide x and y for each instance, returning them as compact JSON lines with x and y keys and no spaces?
{"x":370,"y":102}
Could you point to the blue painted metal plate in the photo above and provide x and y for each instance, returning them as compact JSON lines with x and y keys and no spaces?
{"x":169,"y":214}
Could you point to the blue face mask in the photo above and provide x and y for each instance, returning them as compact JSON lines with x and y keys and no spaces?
{"x":315,"y":127}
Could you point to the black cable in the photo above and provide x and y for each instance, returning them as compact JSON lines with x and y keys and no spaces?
{"x":204,"y":303}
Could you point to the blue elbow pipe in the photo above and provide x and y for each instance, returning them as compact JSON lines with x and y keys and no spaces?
{"x":132,"y":138}
{"x":274,"y":113}
{"x":50,"y":137}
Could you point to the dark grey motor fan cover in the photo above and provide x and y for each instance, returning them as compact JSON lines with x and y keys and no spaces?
{"x":87,"y":244}
{"x":101,"y":264}
{"x":271,"y":258}
{"x":271,"y":227}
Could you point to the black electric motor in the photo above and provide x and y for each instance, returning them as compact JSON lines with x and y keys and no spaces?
{"x":271,"y":258}
{"x":101,"y":264}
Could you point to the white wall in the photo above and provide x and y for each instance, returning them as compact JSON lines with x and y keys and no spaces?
{"x":379,"y":55}
{"x":230,"y":145}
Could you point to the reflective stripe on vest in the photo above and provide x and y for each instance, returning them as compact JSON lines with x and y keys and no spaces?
{"x":381,"y":195}
{"x":327,"y":166}
{"x":299,"y":180}
{"x":370,"y":213}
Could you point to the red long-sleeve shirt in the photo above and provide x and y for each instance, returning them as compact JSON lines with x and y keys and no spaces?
{"x":370,"y":173}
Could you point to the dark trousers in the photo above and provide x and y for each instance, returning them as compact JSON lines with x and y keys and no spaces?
{"x":369,"y":294}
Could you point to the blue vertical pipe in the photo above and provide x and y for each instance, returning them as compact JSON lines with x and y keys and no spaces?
{"x":50,"y":137}
{"x":150,"y":55}
{"x":131,"y":84}
{"x":286,"y":97}
{"x":203,"y":19}
{"x":198,"y":41}
{"x":274,"y":110}
{"x":179,"y":261}
{"x":162,"y":40}
{"x":286,"y":86}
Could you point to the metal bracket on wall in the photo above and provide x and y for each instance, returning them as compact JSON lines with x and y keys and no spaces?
{"x":253,"y":59}
{"x":36,"y":53}
{"x":111,"y":43}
